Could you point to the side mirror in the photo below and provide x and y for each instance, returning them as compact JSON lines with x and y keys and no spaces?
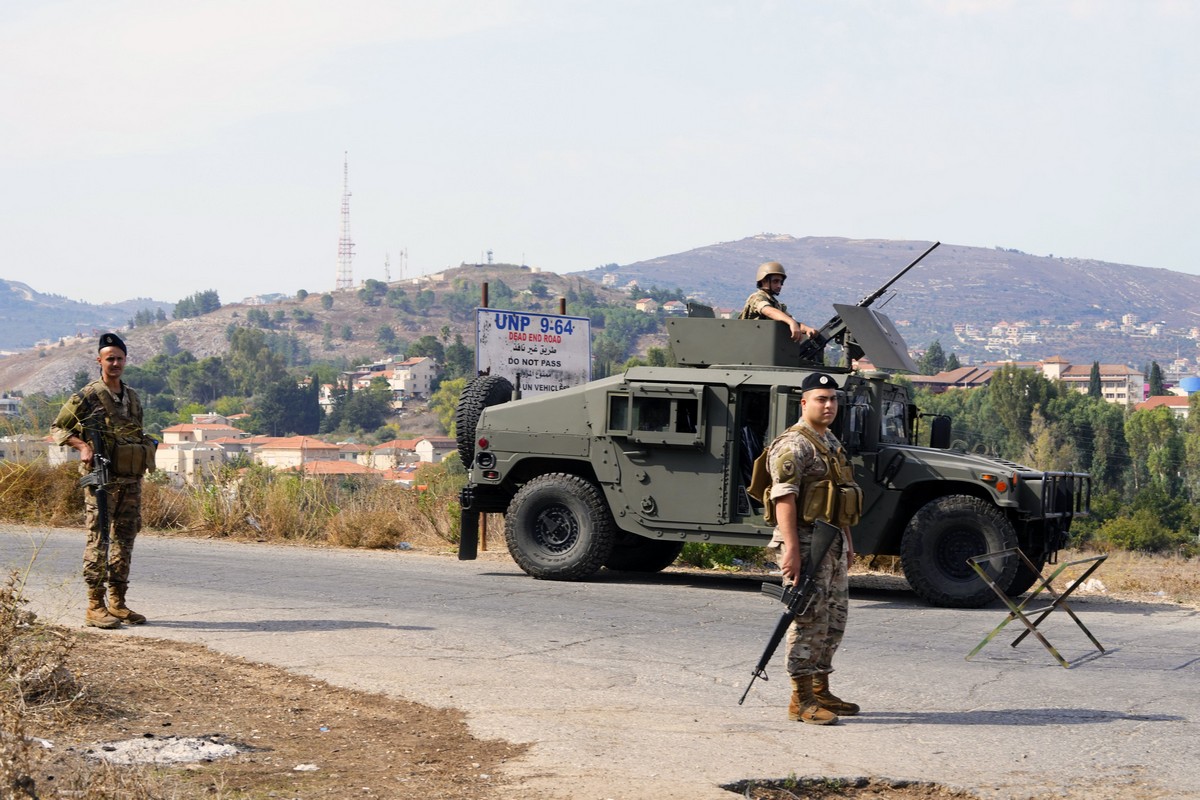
{"x":939,"y":433}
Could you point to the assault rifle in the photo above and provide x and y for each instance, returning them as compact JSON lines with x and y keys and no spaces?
{"x":795,"y":598}
{"x":99,"y":478}
{"x":813,"y":350}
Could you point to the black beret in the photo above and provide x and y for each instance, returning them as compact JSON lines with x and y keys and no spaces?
{"x":112,"y":340}
{"x":818,"y":380}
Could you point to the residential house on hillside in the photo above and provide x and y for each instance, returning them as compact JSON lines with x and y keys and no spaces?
{"x":646,"y":305}
{"x":198,"y":432}
{"x":1118,"y":383}
{"x":409,"y":452}
{"x":413,"y":378}
{"x":23,"y":447}
{"x":292,"y":451}
{"x":1178,"y":405}
{"x":10,"y":406}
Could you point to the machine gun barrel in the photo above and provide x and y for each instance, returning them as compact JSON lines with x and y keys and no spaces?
{"x":875,"y":295}
{"x":813,"y":349}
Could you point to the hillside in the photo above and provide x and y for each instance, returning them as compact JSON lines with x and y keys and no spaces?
{"x":30,"y":316}
{"x":453,"y":295}
{"x":1061,"y":300}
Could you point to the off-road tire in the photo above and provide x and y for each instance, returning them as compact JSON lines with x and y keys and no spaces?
{"x":633,"y":553}
{"x":940,"y":538}
{"x":558,"y":527}
{"x":482,"y":392}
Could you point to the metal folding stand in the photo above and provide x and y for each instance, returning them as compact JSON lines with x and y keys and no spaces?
{"x":1022,"y":611}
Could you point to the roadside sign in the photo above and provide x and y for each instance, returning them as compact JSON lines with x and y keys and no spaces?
{"x":540,"y":353}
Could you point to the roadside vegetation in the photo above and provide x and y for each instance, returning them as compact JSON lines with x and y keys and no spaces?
{"x":259,"y":503}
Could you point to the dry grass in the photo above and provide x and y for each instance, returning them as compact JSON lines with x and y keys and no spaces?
{"x":37,"y":688}
{"x":259,"y":503}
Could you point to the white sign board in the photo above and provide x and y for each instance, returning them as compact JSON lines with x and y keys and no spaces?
{"x":539,"y":352}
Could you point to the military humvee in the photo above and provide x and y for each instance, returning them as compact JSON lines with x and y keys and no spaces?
{"x":621,"y":472}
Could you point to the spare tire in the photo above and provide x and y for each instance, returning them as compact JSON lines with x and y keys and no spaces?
{"x":485,"y":391}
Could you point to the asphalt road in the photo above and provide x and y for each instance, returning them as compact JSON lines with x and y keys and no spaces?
{"x":629,"y":685}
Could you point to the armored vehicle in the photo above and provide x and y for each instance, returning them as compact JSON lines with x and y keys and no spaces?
{"x":621,"y":472}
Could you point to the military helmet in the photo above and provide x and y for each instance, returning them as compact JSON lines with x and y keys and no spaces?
{"x":767,"y":269}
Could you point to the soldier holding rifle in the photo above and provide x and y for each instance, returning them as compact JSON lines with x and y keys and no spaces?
{"x":103,"y":421}
{"x":812,"y":480}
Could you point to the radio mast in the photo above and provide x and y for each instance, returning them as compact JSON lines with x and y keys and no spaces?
{"x":345,"y":274}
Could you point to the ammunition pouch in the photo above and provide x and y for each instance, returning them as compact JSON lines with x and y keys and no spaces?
{"x":837,"y":504}
{"x":133,"y":460}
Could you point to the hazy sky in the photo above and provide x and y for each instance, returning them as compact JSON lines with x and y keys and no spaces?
{"x":157,"y":148}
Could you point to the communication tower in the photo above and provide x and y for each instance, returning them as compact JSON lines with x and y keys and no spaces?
{"x":345,"y":273}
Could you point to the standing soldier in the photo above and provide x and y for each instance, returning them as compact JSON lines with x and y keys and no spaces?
{"x":109,"y":412}
{"x":811,"y":479}
{"x":764,"y":303}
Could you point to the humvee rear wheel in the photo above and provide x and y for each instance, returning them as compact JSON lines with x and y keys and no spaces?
{"x":940,"y":538}
{"x":481,"y":393}
{"x":633,"y":553}
{"x":558,"y":527}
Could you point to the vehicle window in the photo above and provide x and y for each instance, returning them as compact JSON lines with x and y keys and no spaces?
{"x":893,"y":422}
{"x":618,"y":412}
{"x":652,"y":413}
{"x":855,"y":411}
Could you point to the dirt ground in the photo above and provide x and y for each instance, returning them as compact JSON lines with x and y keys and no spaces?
{"x":345,"y":743}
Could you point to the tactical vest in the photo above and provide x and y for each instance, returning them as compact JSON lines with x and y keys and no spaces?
{"x":833,"y":497}
{"x":129,"y":450}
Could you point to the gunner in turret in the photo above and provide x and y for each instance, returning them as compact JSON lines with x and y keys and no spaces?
{"x":764,"y":302}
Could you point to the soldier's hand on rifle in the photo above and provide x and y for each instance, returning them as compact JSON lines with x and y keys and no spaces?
{"x":85,"y":449}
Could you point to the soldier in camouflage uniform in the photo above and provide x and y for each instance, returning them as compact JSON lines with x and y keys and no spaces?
{"x":808,"y":467}
{"x":112,"y":408}
{"x":764,"y":303}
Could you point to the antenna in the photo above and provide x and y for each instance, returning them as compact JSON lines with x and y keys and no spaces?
{"x":403,"y":261}
{"x":345,"y":274}
{"x":387,"y":267}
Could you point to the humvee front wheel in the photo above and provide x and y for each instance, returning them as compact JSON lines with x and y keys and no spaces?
{"x":558,"y":527}
{"x":633,"y":553}
{"x":939,"y":539}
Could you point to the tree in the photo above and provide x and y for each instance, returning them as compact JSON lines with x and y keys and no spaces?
{"x":1095,"y":386}
{"x":386,"y":336}
{"x":1155,"y":447}
{"x":197,"y":304}
{"x":82,"y":379}
{"x":1156,"y":380}
{"x":369,"y":408}
{"x":170,"y":343}
{"x":327,"y":301}
{"x":1013,"y":393}
{"x":444,"y":402}
{"x":952,"y":363}
{"x":287,"y":408}
{"x":460,"y":360}
{"x":429,"y":347}
{"x":934,"y":360}
{"x":301,"y":294}
{"x":252,"y":366}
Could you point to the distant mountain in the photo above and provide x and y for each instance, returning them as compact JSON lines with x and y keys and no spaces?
{"x":1053,"y":306}
{"x":28,"y":316}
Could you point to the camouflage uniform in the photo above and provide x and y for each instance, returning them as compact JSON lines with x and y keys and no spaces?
{"x":81,"y":411}
{"x":756,"y":302}
{"x":814,"y":636}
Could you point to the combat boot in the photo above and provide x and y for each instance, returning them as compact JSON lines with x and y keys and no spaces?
{"x":805,"y":708}
{"x":117,"y":607}
{"x":827,"y":700}
{"x":97,"y":615}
